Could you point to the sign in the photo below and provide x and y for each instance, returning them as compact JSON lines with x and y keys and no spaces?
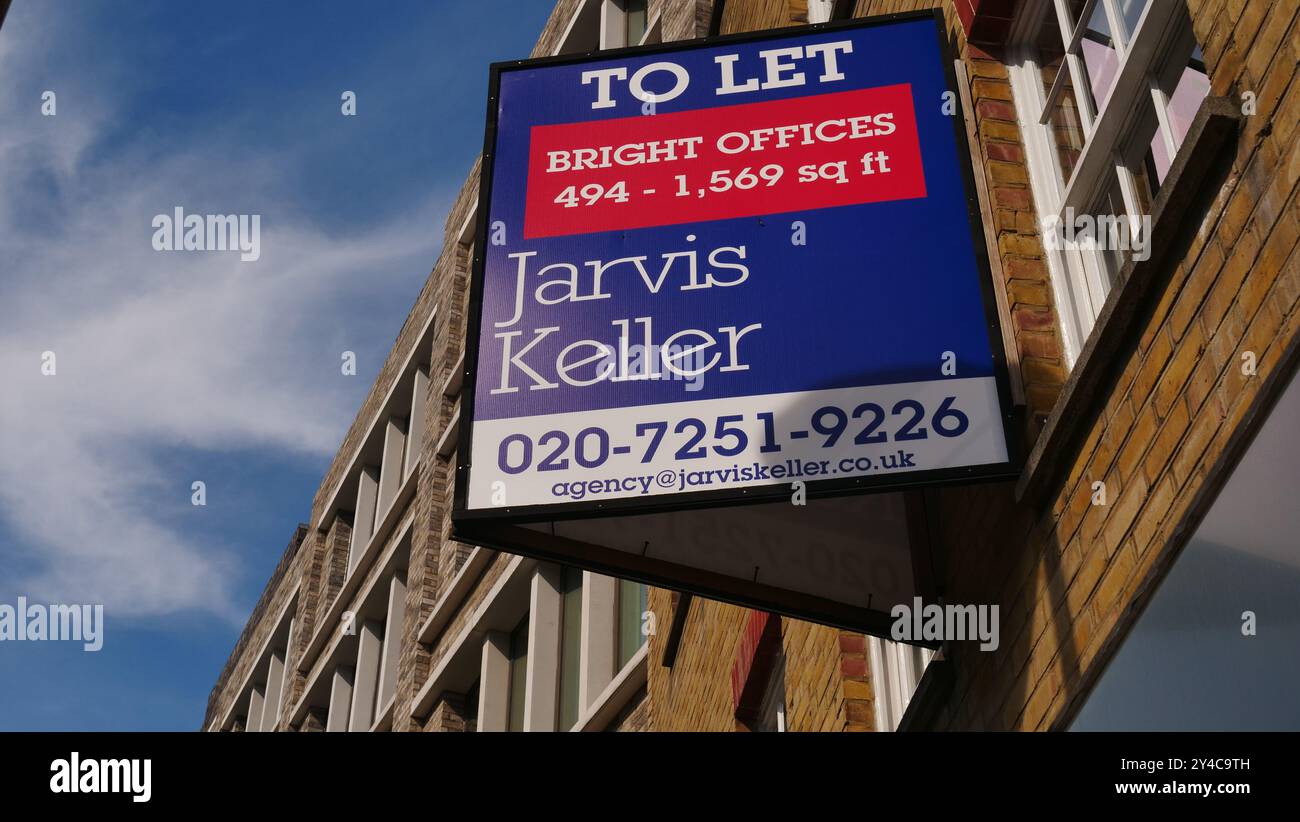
{"x":732,"y":270}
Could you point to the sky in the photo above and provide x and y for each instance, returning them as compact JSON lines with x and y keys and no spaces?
{"x":176,"y":367}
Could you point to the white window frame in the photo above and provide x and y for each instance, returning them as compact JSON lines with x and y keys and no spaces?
{"x":896,"y":670}
{"x":820,"y":11}
{"x":1080,"y":283}
{"x":613,"y":25}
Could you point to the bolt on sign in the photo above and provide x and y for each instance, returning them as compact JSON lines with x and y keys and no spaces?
{"x":738,"y":270}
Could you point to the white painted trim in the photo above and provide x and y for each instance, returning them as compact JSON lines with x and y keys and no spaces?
{"x":653,"y":28}
{"x":542,"y":677}
{"x":1044,"y":173}
{"x":599,"y":637}
{"x":391,"y":470}
{"x":274,"y":694}
{"x":256,"y":708}
{"x":336,"y":717}
{"x":363,"y":514}
{"x":417,"y":421}
{"x":895,"y":675}
{"x":390,"y":659}
{"x":384,"y":721}
{"x":494,"y":683}
{"x":615,"y":697}
{"x":820,"y":11}
{"x":365,"y":677}
{"x":613,"y":25}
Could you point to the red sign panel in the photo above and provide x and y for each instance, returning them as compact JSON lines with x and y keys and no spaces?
{"x":725,"y":162}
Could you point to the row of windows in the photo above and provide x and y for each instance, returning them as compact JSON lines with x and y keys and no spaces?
{"x":1105,"y":91}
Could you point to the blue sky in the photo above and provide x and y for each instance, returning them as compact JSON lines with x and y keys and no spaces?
{"x":176,"y":367}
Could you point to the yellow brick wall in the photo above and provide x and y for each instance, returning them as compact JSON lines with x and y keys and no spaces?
{"x":1070,"y":577}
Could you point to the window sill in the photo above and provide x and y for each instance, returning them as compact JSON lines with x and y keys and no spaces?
{"x":461,"y":584}
{"x":1131,"y":300}
{"x":384,"y":722}
{"x":614,"y":698}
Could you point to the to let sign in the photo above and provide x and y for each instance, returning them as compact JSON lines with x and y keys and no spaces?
{"x":709,"y":271}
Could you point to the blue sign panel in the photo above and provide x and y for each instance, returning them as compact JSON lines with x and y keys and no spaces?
{"x":710,"y":271}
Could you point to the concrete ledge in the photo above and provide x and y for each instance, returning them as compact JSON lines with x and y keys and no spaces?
{"x":461,"y":584}
{"x":384,"y":720}
{"x":450,"y":436}
{"x":490,"y":615}
{"x":615,"y":697}
{"x":451,"y":388}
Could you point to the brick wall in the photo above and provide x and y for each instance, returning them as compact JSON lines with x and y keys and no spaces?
{"x":1069,"y":575}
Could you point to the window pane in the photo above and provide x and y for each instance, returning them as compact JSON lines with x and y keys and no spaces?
{"x":518,"y":674}
{"x":1131,"y":11}
{"x":635,"y":15}
{"x":1193,"y":87}
{"x":771,"y":713}
{"x":570,"y":646}
{"x":471,"y":708}
{"x":1107,"y":213}
{"x":632,"y":597}
{"x":1144,"y":154}
{"x":1075,"y":8}
{"x":1064,"y":120}
{"x":1066,"y":128}
{"x":1100,"y":59}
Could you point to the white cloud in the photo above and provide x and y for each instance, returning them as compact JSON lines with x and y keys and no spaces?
{"x":154,"y":349}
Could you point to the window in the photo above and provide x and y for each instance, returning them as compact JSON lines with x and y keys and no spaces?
{"x":1105,"y":91}
{"x":771,"y":711}
{"x":896,"y":670}
{"x":632,"y":604}
{"x":548,"y":643}
{"x":820,"y":11}
{"x":635,"y":20}
{"x":570,"y":646}
{"x":622,"y":22}
{"x":518,"y":675}
{"x":471,"y":708}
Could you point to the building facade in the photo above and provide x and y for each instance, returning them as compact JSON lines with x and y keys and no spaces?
{"x":1145,"y":550}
